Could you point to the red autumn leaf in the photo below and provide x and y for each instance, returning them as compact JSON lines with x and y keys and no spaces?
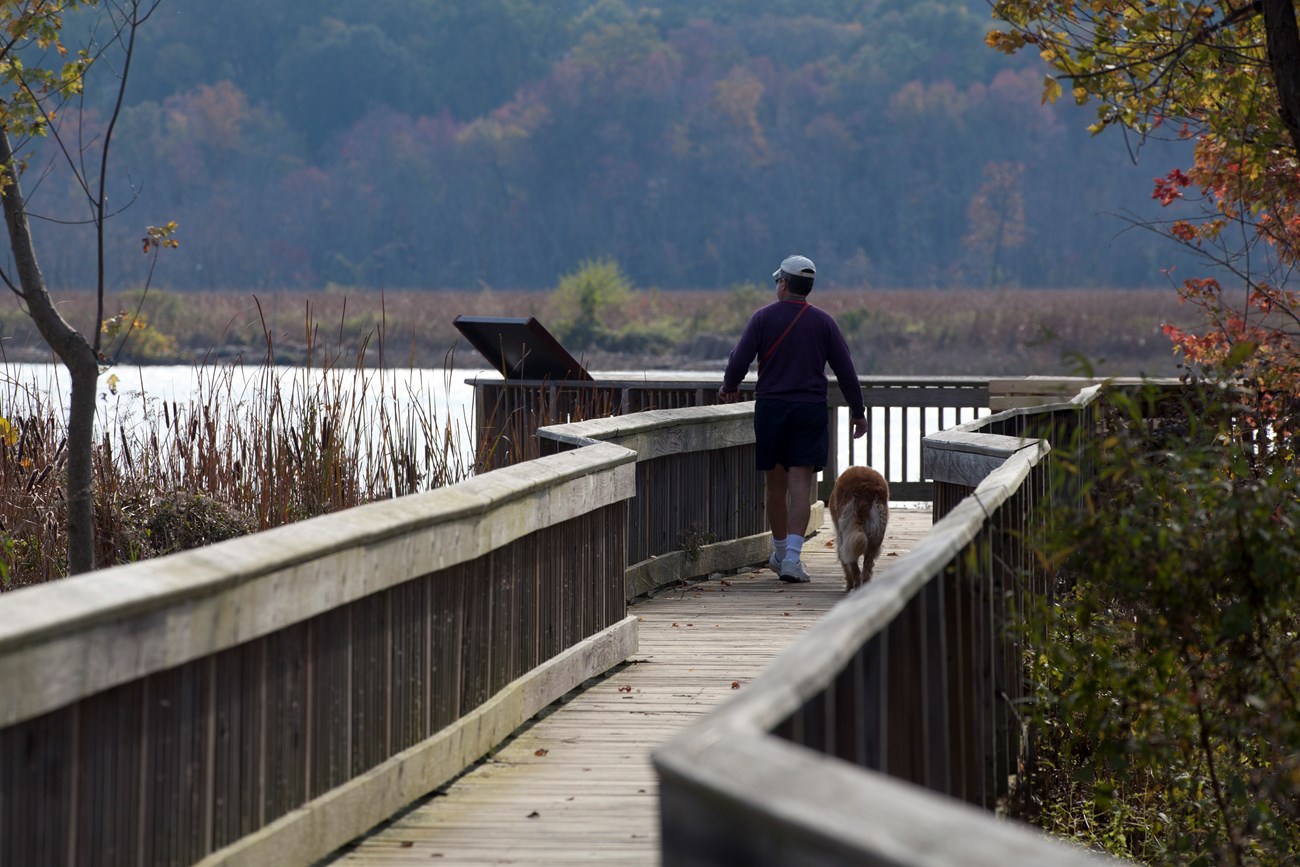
{"x":541,"y":752}
{"x":735,"y":684}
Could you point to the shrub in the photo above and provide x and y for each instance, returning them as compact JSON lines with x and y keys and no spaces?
{"x":1167,"y":712}
{"x":585,"y":299}
{"x":181,"y":520}
{"x":134,"y":339}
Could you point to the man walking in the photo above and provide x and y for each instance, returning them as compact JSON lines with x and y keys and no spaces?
{"x":793,"y":342}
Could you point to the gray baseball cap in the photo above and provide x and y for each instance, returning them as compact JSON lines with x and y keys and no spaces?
{"x":796,"y":266}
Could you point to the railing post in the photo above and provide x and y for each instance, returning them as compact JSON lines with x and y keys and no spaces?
{"x":833,"y":468}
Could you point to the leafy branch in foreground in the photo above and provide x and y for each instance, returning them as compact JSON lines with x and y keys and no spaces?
{"x":1224,"y":75}
{"x":1166,"y":693}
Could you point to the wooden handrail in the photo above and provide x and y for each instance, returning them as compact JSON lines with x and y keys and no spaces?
{"x":699,"y":505}
{"x":912,"y":678}
{"x":508,"y":414}
{"x":266,"y":699}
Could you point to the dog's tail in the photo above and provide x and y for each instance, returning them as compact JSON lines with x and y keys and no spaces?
{"x":875,"y":518}
{"x":851,"y":536}
{"x":861,"y":529}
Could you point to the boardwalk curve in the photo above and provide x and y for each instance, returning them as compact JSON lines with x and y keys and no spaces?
{"x":577,"y":785}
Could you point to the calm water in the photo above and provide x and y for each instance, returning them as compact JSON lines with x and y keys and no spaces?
{"x":129,"y":393}
{"x":126,"y":385}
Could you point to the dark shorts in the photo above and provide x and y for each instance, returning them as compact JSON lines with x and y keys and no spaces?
{"x":790,"y":434}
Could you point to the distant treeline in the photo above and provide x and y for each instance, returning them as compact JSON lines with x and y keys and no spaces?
{"x":470,"y":143}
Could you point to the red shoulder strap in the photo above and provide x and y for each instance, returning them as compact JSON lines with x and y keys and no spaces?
{"x":777,"y":342}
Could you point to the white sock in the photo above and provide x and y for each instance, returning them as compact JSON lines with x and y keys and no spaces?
{"x":793,"y":547}
{"x":778,"y":548}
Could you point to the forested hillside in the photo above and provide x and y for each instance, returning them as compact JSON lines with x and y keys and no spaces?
{"x":462,"y":143}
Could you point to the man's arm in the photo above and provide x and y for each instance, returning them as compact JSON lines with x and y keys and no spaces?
{"x":846,"y":376}
{"x":738,"y":363}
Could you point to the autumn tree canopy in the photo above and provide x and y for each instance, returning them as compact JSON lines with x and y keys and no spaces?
{"x":461,"y":143}
{"x":1226,"y":76}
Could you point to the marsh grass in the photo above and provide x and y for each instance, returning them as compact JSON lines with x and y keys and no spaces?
{"x":890,"y":331}
{"x":254,"y":448}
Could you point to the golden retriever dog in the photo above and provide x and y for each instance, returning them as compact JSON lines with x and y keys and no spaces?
{"x":860,"y":512}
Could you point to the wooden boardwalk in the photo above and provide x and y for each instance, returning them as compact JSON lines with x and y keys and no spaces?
{"x":576,"y":785}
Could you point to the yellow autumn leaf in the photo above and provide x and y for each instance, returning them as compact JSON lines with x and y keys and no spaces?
{"x":7,"y":432}
{"x":1051,"y":90}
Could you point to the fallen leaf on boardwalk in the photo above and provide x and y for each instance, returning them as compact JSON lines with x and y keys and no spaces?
{"x":735,"y":684}
{"x":690,"y":624}
{"x":407,"y":844}
{"x":640,"y":791}
{"x":674,"y":625}
{"x":892,"y":554}
{"x":534,"y":814}
{"x":541,"y":752}
{"x":725,"y":583}
{"x":785,"y":613}
{"x":830,"y":543}
{"x":625,"y":689}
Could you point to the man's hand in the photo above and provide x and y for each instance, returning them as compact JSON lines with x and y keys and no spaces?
{"x":728,"y":396}
{"x":859,"y":427}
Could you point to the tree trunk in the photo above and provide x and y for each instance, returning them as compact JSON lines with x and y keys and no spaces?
{"x":75,"y":353}
{"x":1284,"y":61}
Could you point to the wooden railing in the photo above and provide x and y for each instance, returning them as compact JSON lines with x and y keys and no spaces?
{"x":914,"y":679}
{"x":699,"y":504}
{"x":901,"y":411}
{"x":264,"y":700}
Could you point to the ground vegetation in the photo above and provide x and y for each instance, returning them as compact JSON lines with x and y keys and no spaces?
{"x":890,"y":331}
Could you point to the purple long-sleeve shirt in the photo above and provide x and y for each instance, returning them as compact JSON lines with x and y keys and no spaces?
{"x":796,"y":371}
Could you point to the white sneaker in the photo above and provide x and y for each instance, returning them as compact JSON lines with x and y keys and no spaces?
{"x":773,"y":563}
{"x":793,"y":572}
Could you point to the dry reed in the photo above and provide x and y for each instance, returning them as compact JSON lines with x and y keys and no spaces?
{"x":253,"y":449}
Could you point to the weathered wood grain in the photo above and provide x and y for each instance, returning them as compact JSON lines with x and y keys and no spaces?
{"x":593,"y":789}
{"x":73,"y":638}
{"x":375,"y":794}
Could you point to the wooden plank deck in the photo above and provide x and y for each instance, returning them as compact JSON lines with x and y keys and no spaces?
{"x":576,"y":785}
